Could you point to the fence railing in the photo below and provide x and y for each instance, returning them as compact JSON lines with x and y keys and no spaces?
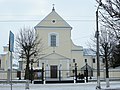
{"x":59,"y":75}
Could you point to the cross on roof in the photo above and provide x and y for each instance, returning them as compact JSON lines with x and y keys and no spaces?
{"x":53,"y":7}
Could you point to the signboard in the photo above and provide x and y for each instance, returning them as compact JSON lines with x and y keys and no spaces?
{"x":11,"y":42}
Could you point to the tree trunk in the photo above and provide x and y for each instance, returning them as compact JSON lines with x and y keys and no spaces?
{"x":27,"y":70}
{"x":107,"y":71}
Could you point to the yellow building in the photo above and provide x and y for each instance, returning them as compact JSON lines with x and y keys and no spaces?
{"x":59,"y":53}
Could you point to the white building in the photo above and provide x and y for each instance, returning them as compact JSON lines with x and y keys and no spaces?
{"x":60,"y":53}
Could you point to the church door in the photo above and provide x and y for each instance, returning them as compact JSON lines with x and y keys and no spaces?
{"x":53,"y":70}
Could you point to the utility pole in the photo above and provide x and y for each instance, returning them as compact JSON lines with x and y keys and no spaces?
{"x":106,"y":64}
{"x":98,"y":60}
{"x":98,"y":64}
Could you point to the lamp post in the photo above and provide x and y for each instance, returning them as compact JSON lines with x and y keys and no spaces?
{"x":31,"y":70}
{"x":86,"y":71}
{"x":97,"y":37}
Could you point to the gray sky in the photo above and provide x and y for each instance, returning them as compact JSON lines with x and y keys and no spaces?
{"x":16,"y":14}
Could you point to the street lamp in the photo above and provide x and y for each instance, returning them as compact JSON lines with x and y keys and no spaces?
{"x":86,"y":73}
{"x":97,"y":37}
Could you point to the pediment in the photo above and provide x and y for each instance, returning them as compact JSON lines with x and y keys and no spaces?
{"x":53,"y":20}
{"x":88,"y":67}
{"x":54,"y":56}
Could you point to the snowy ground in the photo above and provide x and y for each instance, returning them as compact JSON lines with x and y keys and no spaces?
{"x":79,"y":86}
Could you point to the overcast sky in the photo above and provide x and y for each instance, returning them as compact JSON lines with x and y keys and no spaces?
{"x":16,"y":14}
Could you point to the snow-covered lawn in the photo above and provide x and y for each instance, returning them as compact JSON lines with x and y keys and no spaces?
{"x":78,"y":86}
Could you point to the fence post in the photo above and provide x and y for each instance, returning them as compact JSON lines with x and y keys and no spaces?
{"x":60,"y":72}
{"x":8,"y":76}
{"x":76,"y":72}
{"x":74,"y":79}
{"x":59,"y":75}
{"x":43,"y":73}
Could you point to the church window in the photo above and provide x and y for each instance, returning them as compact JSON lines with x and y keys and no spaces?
{"x":93,"y":60}
{"x":53,"y":40}
{"x":53,"y":21}
{"x":85,"y":60}
{"x":73,"y":60}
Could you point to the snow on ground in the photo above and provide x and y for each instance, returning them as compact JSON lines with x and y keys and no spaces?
{"x":78,"y":86}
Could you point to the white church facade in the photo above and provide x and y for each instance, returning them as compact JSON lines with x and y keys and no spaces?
{"x":60,"y":53}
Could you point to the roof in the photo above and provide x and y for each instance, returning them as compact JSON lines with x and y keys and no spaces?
{"x":88,"y":52}
{"x":53,"y":20}
{"x":88,"y":67}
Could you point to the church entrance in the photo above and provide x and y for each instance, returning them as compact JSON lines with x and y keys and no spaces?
{"x":53,"y":71}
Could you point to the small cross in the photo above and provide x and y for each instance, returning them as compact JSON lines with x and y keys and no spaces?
{"x":53,"y":7}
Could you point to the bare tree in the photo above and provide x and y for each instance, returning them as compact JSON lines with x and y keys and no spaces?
{"x":110,"y":17}
{"x":115,"y":60}
{"x":112,"y":7}
{"x":28,"y":46}
{"x":107,"y":43}
{"x":110,"y":13}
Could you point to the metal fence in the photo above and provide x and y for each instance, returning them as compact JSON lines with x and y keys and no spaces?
{"x":60,"y":75}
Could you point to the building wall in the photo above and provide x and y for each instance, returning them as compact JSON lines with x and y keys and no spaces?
{"x":90,"y":61}
{"x":64,"y":46}
{"x":5,"y":61}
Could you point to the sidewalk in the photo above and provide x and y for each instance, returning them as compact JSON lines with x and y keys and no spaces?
{"x":71,"y":86}
{"x":114,"y":85}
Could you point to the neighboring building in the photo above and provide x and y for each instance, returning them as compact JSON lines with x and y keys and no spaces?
{"x":5,"y":60}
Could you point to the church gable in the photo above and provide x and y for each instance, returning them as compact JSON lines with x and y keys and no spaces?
{"x":54,"y":56}
{"x":53,"y":20}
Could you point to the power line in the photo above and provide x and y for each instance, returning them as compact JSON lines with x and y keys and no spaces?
{"x":41,"y":15}
{"x":78,"y":20}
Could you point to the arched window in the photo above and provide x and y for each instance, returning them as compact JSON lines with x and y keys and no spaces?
{"x":53,"y":39}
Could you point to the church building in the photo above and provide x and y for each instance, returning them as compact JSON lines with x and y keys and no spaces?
{"x":60,"y":53}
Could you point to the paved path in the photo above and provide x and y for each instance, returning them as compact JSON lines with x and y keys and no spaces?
{"x":79,"y":86}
